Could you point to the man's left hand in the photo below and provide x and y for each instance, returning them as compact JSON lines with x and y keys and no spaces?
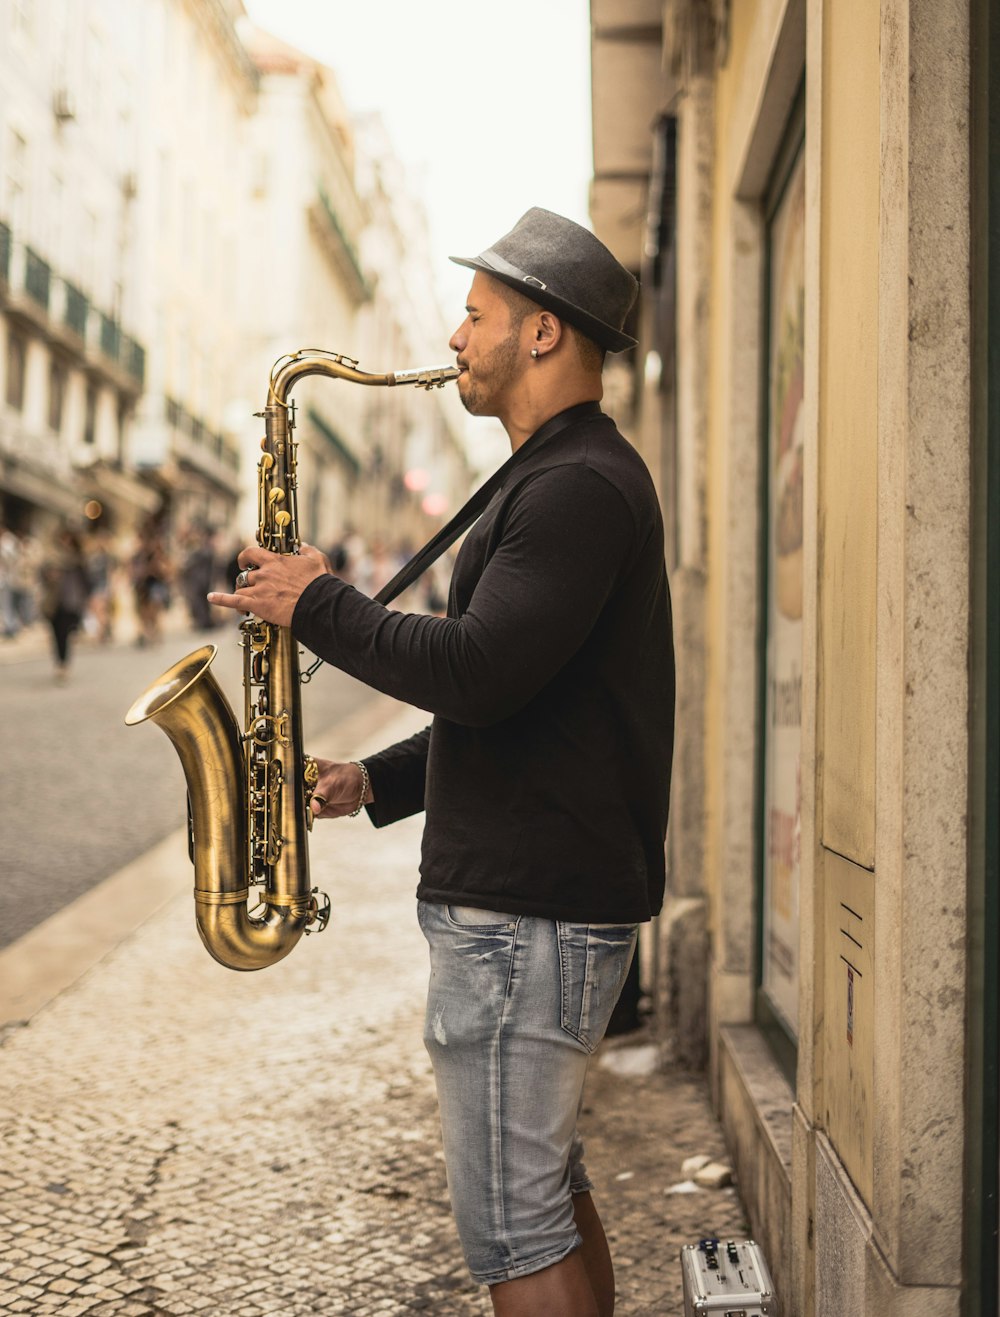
{"x":274,"y":582}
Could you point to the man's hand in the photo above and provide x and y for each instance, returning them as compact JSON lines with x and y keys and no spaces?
{"x":338,"y":790}
{"x":271,"y":583}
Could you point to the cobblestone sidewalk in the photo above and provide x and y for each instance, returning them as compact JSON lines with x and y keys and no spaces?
{"x":180,"y":1139}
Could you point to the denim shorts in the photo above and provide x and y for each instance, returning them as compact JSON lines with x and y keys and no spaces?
{"x":515,"y":1006}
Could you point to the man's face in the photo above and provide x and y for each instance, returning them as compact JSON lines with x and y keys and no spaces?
{"x":488,"y":349}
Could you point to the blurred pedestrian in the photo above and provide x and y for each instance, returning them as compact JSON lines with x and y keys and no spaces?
{"x":198,"y":577}
{"x":27,"y":568}
{"x":231,"y":566}
{"x":545,"y":775}
{"x":101,"y":566}
{"x":10,"y":552}
{"x":150,"y":583}
{"x":338,"y":556}
{"x":65,"y":594}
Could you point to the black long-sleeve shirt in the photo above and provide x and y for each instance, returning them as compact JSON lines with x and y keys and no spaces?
{"x":545,"y":774}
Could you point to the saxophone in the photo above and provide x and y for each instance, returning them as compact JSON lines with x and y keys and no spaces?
{"x":249,"y":791}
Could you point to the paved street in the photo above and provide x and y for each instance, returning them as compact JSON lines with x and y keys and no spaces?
{"x":181,"y":1139}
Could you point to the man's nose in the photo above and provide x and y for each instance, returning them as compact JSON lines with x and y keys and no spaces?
{"x":459,"y":339}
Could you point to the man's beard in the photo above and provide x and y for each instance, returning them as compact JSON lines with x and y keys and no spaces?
{"x":492,"y":375}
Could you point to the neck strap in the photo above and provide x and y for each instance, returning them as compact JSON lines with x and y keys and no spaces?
{"x":479,"y":501}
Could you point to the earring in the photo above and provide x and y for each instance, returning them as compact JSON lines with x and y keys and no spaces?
{"x":534,"y":353}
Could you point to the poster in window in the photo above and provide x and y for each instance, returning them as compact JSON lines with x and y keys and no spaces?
{"x":783,"y":700}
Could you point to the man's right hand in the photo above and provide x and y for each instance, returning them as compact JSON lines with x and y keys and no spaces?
{"x":338,"y":790}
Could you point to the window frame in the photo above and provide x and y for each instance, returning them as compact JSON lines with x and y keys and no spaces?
{"x":791,"y":149}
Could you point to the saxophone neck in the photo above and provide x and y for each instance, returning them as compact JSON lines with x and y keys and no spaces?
{"x":317,"y":361}
{"x":277,"y":527}
{"x":287,"y":370}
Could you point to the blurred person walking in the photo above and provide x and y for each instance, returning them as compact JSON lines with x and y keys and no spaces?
{"x":545,"y":774}
{"x":66,"y":591}
{"x":101,"y":567}
{"x":10,"y":553}
{"x":150,"y":583}
{"x":27,"y":569}
{"x":198,"y":577}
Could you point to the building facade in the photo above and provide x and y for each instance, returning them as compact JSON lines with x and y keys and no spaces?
{"x":304,"y":224}
{"x":196,"y":100}
{"x":123,"y":165}
{"x":73,"y":343}
{"x":179,"y":209}
{"x":808,"y":191}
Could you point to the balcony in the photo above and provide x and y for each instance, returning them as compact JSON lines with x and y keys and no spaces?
{"x":338,"y":247}
{"x":76,"y":309}
{"x":344,"y":453}
{"x":61,"y":312}
{"x":133,"y":358}
{"x":37,"y":278}
{"x":197,"y":446}
{"x":110,"y":336}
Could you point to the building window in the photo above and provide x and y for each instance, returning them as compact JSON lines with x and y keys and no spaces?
{"x":57,"y":395}
{"x":123,"y":424}
{"x":17,"y":354}
{"x":90,"y":416}
{"x":781,"y":701}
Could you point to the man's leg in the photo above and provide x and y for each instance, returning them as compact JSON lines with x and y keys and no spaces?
{"x":515,"y":1006}
{"x":582,"y":1285}
{"x":595,"y":1253}
{"x":562,"y":1290}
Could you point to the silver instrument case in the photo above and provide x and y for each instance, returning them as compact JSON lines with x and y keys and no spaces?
{"x":727,"y":1278}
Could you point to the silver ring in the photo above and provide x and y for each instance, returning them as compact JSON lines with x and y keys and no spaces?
{"x":243,"y":580}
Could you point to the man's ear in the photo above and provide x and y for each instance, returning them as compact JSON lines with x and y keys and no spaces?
{"x":548,"y":331}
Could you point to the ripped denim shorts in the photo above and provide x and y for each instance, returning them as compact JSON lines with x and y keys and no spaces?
{"x":515,"y":1006}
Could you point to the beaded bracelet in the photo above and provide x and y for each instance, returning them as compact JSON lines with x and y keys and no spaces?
{"x":365,"y":784}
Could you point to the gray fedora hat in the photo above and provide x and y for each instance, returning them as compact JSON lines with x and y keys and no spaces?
{"x":563,"y":267}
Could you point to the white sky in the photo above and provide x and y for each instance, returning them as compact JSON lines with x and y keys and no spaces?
{"x":487,"y":103}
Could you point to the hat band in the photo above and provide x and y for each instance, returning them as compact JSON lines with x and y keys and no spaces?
{"x":501,"y":266}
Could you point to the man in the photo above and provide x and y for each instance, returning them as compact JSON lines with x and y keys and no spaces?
{"x":545,"y":773}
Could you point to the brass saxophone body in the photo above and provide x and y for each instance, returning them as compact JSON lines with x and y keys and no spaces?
{"x":249,"y":790}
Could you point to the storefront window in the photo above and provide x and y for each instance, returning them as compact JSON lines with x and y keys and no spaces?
{"x":781,"y":780}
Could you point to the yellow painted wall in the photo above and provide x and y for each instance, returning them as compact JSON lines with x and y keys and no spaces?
{"x":848,"y":441}
{"x":848,"y":425}
{"x":729,"y":82}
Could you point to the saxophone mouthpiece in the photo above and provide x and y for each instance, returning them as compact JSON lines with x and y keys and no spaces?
{"x":427,"y":377}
